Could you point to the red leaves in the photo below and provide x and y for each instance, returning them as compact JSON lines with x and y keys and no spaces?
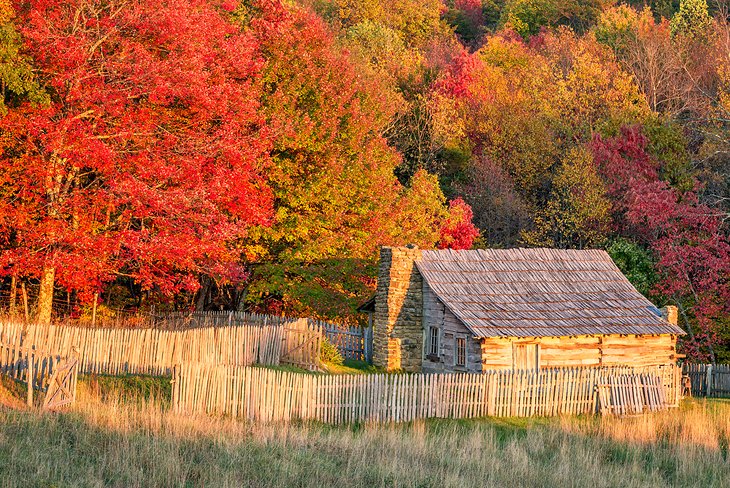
{"x":461,"y":73}
{"x":148,"y":160}
{"x":458,"y":231}
{"x":687,"y":236}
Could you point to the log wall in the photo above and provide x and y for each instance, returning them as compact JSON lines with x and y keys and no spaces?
{"x":608,"y":350}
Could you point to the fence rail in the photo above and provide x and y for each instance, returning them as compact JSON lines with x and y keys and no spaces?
{"x":709,"y":380}
{"x":157,"y":351}
{"x":264,"y":395}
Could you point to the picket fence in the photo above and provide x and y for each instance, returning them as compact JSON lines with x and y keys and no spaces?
{"x":353,"y":342}
{"x":708,"y":379}
{"x":51,"y":374}
{"x":157,"y":351}
{"x":261,"y":394}
{"x":631,"y":394}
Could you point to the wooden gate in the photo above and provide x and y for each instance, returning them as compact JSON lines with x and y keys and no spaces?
{"x":61,"y":389}
{"x":301,"y":344}
{"x":631,"y":394}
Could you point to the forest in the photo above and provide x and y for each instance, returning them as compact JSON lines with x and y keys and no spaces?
{"x":254,"y":155}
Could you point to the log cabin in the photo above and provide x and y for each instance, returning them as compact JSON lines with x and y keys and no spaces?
{"x":491,"y":309}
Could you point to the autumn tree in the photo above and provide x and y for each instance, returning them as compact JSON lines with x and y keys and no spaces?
{"x":146,"y":161}
{"x":526,"y":107}
{"x":336,"y":196}
{"x":646,"y":48}
{"x":687,"y":237}
{"x":17,"y":81}
{"x":692,"y":20}
{"x":458,"y":230}
{"x":577,"y":214}
{"x":500,"y":212}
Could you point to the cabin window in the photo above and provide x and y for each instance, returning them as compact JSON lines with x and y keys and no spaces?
{"x":460,"y":351}
{"x":526,"y":356}
{"x":433,"y":342}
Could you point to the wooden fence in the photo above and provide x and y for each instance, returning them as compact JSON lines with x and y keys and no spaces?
{"x":157,"y":351}
{"x":188,"y":320}
{"x":353,"y":342}
{"x":51,"y":374}
{"x":627,"y":394}
{"x":264,"y":395}
{"x":709,"y":380}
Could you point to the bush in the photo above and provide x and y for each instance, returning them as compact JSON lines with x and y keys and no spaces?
{"x":329,"y":353}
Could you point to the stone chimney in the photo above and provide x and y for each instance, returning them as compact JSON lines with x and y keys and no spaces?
{"x":669,"y":313}
{"x":398,"y":329}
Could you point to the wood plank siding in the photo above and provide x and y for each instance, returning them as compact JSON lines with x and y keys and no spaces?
{"x":435,"y":314}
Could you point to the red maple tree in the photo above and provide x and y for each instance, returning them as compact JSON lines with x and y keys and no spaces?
{"x":458,"y":231}
{"x":686,"y":235}
{"x":147,"y":161}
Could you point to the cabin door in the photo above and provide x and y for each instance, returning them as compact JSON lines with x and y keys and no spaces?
{"x":526,"y":356}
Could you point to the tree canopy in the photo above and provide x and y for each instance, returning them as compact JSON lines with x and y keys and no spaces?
{"x":226,"y":154}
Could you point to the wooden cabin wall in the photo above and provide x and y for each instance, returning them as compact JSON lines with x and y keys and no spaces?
{"x":608,"y":350}
{"x":640,"y":350}
{"x":437,"y":315}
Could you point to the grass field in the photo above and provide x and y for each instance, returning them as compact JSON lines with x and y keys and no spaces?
{"x":121,"y":434}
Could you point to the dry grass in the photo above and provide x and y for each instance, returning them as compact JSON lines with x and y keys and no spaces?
{"x":109,"y":439}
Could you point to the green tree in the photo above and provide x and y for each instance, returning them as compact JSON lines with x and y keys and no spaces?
{"x":578,"y":214}
{"x":692,"y":21}
{"x":17,"y":80}
{"x":636,"y":263}
{"x":527,"y":17}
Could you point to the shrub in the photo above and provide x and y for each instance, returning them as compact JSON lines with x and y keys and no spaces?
{"x":329,"y":353}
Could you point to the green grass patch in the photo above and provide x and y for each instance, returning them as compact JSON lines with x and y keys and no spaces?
{"x":129,"y":387}
{"x":351,"y":366}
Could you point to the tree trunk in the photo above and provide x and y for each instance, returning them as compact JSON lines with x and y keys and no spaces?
{"x":93,"y":310}
{"x":203,"y":294}
{"x":45,"y":295}
{"x":13,"y":295}
{"x":25,"y":301}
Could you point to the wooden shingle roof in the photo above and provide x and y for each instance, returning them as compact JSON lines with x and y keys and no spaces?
{"x":539,"y":292}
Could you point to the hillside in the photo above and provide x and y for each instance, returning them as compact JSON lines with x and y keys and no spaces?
{"x":254,"y":156}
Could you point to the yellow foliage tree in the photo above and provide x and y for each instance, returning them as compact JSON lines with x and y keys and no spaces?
{"x":578,"y":214}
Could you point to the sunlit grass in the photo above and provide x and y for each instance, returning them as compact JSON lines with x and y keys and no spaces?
{"x":121,"y":433}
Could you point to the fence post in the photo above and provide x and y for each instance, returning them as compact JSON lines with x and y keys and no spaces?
{"x":25,"y":301}
{"x":368,"y":343}
{"x":93,"y":309}
{"x":708,"y":381}
{"x":175,"y":383}
{"x":29,"y":374}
